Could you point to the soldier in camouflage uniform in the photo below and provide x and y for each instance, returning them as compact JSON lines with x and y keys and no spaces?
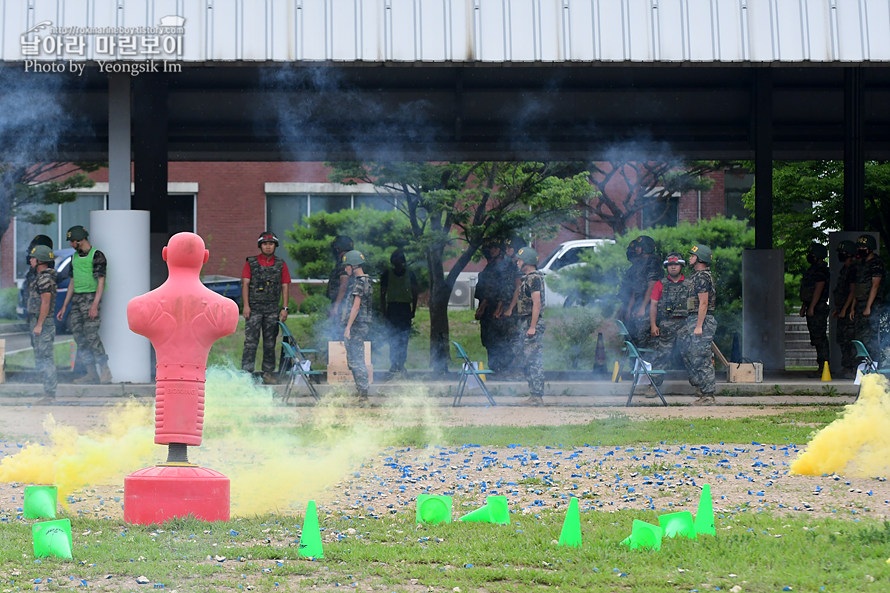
{"x":515,"y":343}
{"x":358,"y":322}
{"x":667,"y":314}
{"x":264,"y":293}
{"x":489,"y":293}
{"x":814,"y":302}
{"x":700,"y":327}
{"x":88,"y":266}
{"x":41,"y":302}
{"x":338,"y":284}
{"x":530,"y":308}
{"x":31,"y":274}
{"x":645,"y":271}
{"x":841,"y":303}
{"x":867,"y":292}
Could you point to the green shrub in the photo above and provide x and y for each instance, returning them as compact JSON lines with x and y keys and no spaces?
{"x":8,"y":300}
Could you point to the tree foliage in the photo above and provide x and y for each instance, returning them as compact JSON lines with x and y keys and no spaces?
{"x":462,"y":205}
{"x":627,"y":186}
{"x":26,"y":189}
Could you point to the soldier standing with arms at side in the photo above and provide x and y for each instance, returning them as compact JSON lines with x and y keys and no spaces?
{"x":265,"y":280}
{"x":88,"y":266}
{"x":814,"y":302}
{"x":41,"y":302}
{"x":841,"y":303}
{"x":701,"y":326}
{"x":530,"y":308}
{"x":488,"y":294}
{"x":867,"y":310}
{"x":358,"y":322}
{"x":667,"y":315}
{"x":515,"y":340}
{"x":398,"y":299}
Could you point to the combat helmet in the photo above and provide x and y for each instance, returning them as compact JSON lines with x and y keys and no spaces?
{"x":847,"y":247}
{"x":867,"y":242}
{"x":42,"y":253}
{"x":528,"y":256}
{"x":818,"y":251}
{"x":342,"y":243}
{"x":267,"y":237}
{"x":674,"y":257}
{"x":646,"y":243}
{"x":354,"y":258}
{"x":77,"y":233}
{"x":702,"y":252}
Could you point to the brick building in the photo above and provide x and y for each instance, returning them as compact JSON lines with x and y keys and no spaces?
{"x":230,"y":203}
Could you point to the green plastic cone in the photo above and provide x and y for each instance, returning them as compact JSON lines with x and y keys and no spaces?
{"x":480,"y":515}
{"x":644,"y":535}
{"x":40,"y":502}
{"x":310,"y":537}
{"x":500,"y":512}
{"x":52,"y":538}
{"x":433,"y":509}
{"x":675,"y":524}
{"x":704,"y":516}
{"x":571,"y":527}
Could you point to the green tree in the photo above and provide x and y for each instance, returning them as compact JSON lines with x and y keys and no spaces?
{"x":727,"y":237}
{"x":461,"y":205}
{"x":627,"y":186}
{"x":26,"y":189}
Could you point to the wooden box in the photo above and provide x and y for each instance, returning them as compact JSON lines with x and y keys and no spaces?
{"x":338,"y":370}
{"x":745,"y":372}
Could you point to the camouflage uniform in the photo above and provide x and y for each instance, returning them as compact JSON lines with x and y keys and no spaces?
{"x":867,"y":329}
{"x":43,"y":282}
{"x":817,"y":324}
{"x":332,"y":289}
{"x":845,"y":327}
{"x":84,"y":329}
{"x":358,"y":332}
{"x":671,"y":318}
{"x":533,"y":346}
{"x":697,"y":349}
{"x":264,"y":297}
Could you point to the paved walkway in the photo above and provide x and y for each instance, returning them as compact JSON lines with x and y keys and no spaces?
{"x":562,"y":389}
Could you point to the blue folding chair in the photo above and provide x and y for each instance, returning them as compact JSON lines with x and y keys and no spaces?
{"x":467,"y":370}
{"x":288,"y":337}
{"x":640,"y":369}
{"x":295,"y":369}
{"x":871,"y":365}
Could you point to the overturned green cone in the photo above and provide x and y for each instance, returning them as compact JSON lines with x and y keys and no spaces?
{"x":704,"y":516}
{"x":644,"y":535}
{"x":310,"y":536}
{"x":52,"y":538}
{"x":40,"y":502}
{"x":494,"y":511}
{"x":675,"y":524}
{"x":433,"y":509}
{"x":571,"y":526}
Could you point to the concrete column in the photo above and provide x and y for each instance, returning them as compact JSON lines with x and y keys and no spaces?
{"x":119,"y":141}
{"x":854,"y":151}
{"x":763,"y":307}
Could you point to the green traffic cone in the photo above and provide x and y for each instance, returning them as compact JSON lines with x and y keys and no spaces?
{"x":52,"y":538}
{"x":571,"y":527}
{"x":494,"y":511}
{"x":644,"y":535}
{"x":310,"y":536}
{"x":40,"y":502}
{"x":677,"y":524}
{"x":433,"y":509}
{"x":704,"y":516}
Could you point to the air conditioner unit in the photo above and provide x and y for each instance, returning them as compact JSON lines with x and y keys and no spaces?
{"x":461,"y":295}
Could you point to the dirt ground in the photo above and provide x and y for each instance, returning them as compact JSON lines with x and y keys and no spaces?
{"x":743,"y":476}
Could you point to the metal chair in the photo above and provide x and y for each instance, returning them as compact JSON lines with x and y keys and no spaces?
{"x":640,"y":369}
{"x":467,"y":370}
{"x":294,"y":365}
{"x":288,"y":337}
{"x":871,"y":365}
{"x":625,"y":335}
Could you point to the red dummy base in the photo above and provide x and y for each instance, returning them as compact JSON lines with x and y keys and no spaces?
{"x":162,"y":492}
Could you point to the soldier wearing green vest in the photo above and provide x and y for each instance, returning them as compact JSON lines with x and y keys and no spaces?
{"x":88,"y":266}
{"x":264,"y":292}
{"x":398,"y":297}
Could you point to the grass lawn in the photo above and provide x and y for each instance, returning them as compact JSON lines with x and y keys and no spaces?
{"x":751,"y":552}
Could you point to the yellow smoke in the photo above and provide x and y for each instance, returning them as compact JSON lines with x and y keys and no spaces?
{"x":276,"y":461}
{"x":858,"y":441}
{"x":72,"y":460}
